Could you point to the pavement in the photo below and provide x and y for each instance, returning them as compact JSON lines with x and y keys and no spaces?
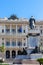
{"x":24,"y":62}
{"x":30,"y":62}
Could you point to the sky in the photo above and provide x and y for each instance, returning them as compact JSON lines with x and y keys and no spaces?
{"x":22,"y":8}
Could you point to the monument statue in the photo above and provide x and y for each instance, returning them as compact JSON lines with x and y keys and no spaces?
{"x":32,"y":22}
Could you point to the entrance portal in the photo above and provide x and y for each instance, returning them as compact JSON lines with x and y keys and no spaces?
{"x":13,"y":54}
{"x":7,"y":54}
{"x":19,"y":52}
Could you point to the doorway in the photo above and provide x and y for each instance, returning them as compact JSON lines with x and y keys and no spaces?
{"x":13,"y":54}
{"x":7,"y":54}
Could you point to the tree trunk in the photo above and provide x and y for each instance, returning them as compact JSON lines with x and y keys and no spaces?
{"x":40,"y":63}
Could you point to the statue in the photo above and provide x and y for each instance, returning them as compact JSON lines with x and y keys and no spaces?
{"x":32,"y":22}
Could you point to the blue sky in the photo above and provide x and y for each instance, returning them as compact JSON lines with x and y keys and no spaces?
{"x":22,"y":8}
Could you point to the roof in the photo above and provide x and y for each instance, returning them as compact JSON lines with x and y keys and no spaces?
{"x":21,"y":20}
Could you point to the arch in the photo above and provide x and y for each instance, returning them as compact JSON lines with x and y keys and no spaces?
{"x":19,"y":52}
{"x":7,"y":54}
{"x":13,"y":53}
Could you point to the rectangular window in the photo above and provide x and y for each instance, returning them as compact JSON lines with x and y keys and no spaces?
{"x":13,"y":30}
{"x":20,"y":30}
{"x":2,"y":30}
{"x":24,"y":31}
{"x":7,"y":30}
{"x":41,"y":31}
{"x":19,"y":43}
{"x":40,"y":26}
{"x":7,"y":43}
{"x":24,"y":44}
{"x":13,"y":43}
{"x":2,"y":38}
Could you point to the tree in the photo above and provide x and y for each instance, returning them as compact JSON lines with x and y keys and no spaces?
{"x":13,"y":17}
{"x":40,"y":60}
{"x":2,"y":48}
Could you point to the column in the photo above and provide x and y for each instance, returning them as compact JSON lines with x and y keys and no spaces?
{"x":4,"y":28}
{"x":5,"y":49}
{"x":10,"y":28}
{"x":22,"y":42}
{"x":11,"y":49}
{"x":4,"y":42}
{"x":16,"y":47}
{"x":26,"y":42}
{"x":22,"y":28}
{"x":16,"y":53}
{"x":16,"y":42}
{"x":16,"y":29}
{"x":26,"y":29}
{"x":10,"y":43}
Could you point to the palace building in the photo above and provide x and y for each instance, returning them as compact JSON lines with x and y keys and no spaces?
{"x":19,"y":34}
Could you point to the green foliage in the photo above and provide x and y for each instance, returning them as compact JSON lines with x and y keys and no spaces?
{"x":3,"y":64}
{"x":2,"y":48}
{"x":2,"y":44}
{"x":40,"y":60}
